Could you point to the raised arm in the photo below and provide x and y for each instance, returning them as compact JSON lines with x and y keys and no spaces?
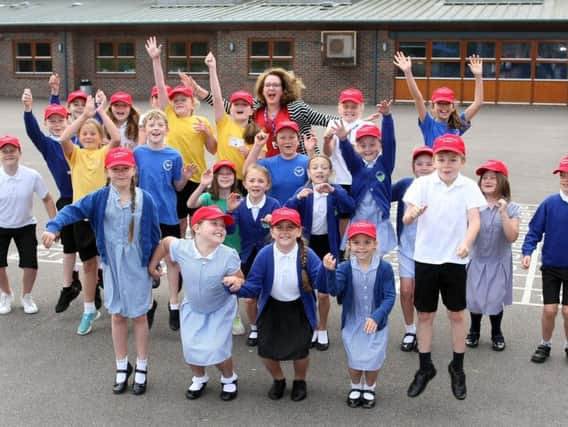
{"x":218,"y":106}
{"x":476,"y":68}
{"x":32,"y":127}
{"x":194,"y":200}
{"x":108,"y":124}
{"x":404,"y":63}
{"x":74,"y":127}
{"x":154,"y":52}
{"x":259,"y":143}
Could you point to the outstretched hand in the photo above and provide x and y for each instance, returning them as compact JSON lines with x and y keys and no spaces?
{"x":154,"y":50}
{"x":475,"y":65}
{"x":404,"y":63}
{"x":329,"y":262}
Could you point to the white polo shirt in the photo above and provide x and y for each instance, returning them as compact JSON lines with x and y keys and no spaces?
{"x":443,"y":225}
{"x":319,"y":214}
{"x":17,"y":196}
{"x":285,"y":286}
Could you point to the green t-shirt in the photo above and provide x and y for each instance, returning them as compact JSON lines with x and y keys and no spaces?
{"x":232,"y":240}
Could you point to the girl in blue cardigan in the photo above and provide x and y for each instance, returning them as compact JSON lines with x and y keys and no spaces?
{"x":283,"y":277}
{"x":366,"y":283}
{"x":371,"y":164}
{"x":252,"y":217}
{"x":125,"y":221}
{"x":321,"y":205}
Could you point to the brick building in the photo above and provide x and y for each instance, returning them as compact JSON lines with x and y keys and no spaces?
{"x":330,"y":44}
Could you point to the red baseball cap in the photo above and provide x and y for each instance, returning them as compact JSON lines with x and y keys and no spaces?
{"x":224,"y":164}
{"x":443,"y":94}
{"x":119,"y":157}
{"x":362,"y":227}
{"x":492,"y":165}
{"x":368,"y":130}
{"x":54,"y":109}
{"x":10,"y":140}
{"x":121,"y":97}
{"x":286,"y":124}
{"x":562,"y":166}
{"x":77,"y":94}
{"x":351,"y":94}
{"x":180,"y":89}
{"x":285,"y":214}
{"x":449,"y":142}
{"x":422,"y":150}
{"x":154,"y":91}
{"x":242,"y":95}
{"x":211,"y":212}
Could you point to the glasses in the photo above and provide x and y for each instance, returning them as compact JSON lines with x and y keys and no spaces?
{"x":272,"y":85}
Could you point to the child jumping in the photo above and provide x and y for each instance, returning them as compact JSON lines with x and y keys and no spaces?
{"x":366,"y":283}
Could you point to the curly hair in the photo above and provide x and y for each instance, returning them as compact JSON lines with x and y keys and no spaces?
{"x":292,"y":86}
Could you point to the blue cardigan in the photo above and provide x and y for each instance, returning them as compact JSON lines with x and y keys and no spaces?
{"x":261,"y":278}
{"x":550,"y":219}
{"x":254,"y":234}
{"x":376,"y":179}
{"x":337,"y":202}
{"x":398,"y":192}
{"x":92,"y":207}
{"x":340,"y":283}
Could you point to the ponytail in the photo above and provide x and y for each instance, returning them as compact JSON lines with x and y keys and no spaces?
{"x":306,"y":282}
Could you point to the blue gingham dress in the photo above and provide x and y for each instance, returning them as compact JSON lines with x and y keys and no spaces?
{"x":128,"y":284}
{"x":364,"y":351}
{"x":207,"y":310}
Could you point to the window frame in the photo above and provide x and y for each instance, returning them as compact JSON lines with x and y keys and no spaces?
{"x":188,"y":57}
{"x":33,"y":58}
{"x":115,"y":57}
{"x":271,"y":57}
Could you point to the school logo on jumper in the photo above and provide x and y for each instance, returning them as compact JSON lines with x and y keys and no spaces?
{"x":299,"y":171}
{"x":380,"y":176}
{"x":167,"y":165}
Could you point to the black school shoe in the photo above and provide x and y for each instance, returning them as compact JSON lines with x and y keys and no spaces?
{"x":458,"y":382}
{"x":119,"y":388}
{"x":541,"y":353}
{"x":229,"y":395}
{"x":498,"y":343}
{"x":195,"y":394}
{"x":299,"y":390}
{"x":252,"y":339}
{"x":472,"y":339}
{"x":277,"y":389}
{"x":354,"y":402}
{"x":368,"y":403}
{"x":140,"y":388}
{"x":408,"y":346}
{"x":421,"y":379}
{"x":174,"y":318}
{"x":151,"y":313}
{"x":67,"y":295}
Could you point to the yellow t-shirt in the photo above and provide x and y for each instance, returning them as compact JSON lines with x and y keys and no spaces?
{"x":87,"y":170}
{"x":229,"y":139}
{"x":190,"y":143}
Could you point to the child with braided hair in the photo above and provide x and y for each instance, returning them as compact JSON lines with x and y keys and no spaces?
{"x":125,"y":252}
{"x":283,"y":276}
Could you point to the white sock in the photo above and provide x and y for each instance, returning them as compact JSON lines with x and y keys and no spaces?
{"x":253,"y":332}
{"x":228,"y":385}
{"x":142,"y":365}
{"x":546,"y":343}
{"x":122,"y":365}
{"x":174,"y":306}
{"x":315,"y":336}
{"x":366,"y":388}
{"x":566,"y":344}
{"x":89,"y":307}
{"x":197,"y":382}
{"x":253,"y":327}
{"x":322,"y":337}
{"x":410,"y":329}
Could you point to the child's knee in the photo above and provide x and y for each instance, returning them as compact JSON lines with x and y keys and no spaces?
{"x":565,"y":312}
{"x":323,"y":297}
{"x":425,"y":317}
{"x":456,"y":316}
{"x":550,"y":310}
{"x":90,"y":265}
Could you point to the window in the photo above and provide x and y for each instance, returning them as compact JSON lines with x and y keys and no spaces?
{"x":187,"y":56}
{"x":417,"y":51}
{"x":515,"y":60}
{"x":115,"y":57}
{"x":264,"y":54}
{"x":445,"y":59}
{"x":486,"y":51}
{"x":551,"y":61}
{"x":32,"y":57}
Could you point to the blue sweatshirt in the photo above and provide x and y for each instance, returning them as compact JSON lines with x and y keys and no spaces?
{"x":261,"y":278}
{"x":376,"y":179}
{"x":92,"y":207}
{"x":52,"y":152}
{"x":340,"y":283}
{"x":337,"y":202}
{"x":550,"y":219}
{"x":398,"y":192}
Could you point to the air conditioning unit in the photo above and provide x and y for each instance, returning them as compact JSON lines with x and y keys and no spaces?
{"x":340,"y":44}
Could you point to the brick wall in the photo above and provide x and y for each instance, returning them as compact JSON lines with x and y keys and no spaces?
{"x":323,"y":81}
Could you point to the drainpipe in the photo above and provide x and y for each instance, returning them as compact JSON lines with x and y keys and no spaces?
{"x":375,"y":66}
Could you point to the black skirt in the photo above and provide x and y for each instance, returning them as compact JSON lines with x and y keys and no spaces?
{"x":284,"y":332}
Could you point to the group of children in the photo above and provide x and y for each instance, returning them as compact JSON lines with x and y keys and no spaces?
{"x":271,"y":226}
